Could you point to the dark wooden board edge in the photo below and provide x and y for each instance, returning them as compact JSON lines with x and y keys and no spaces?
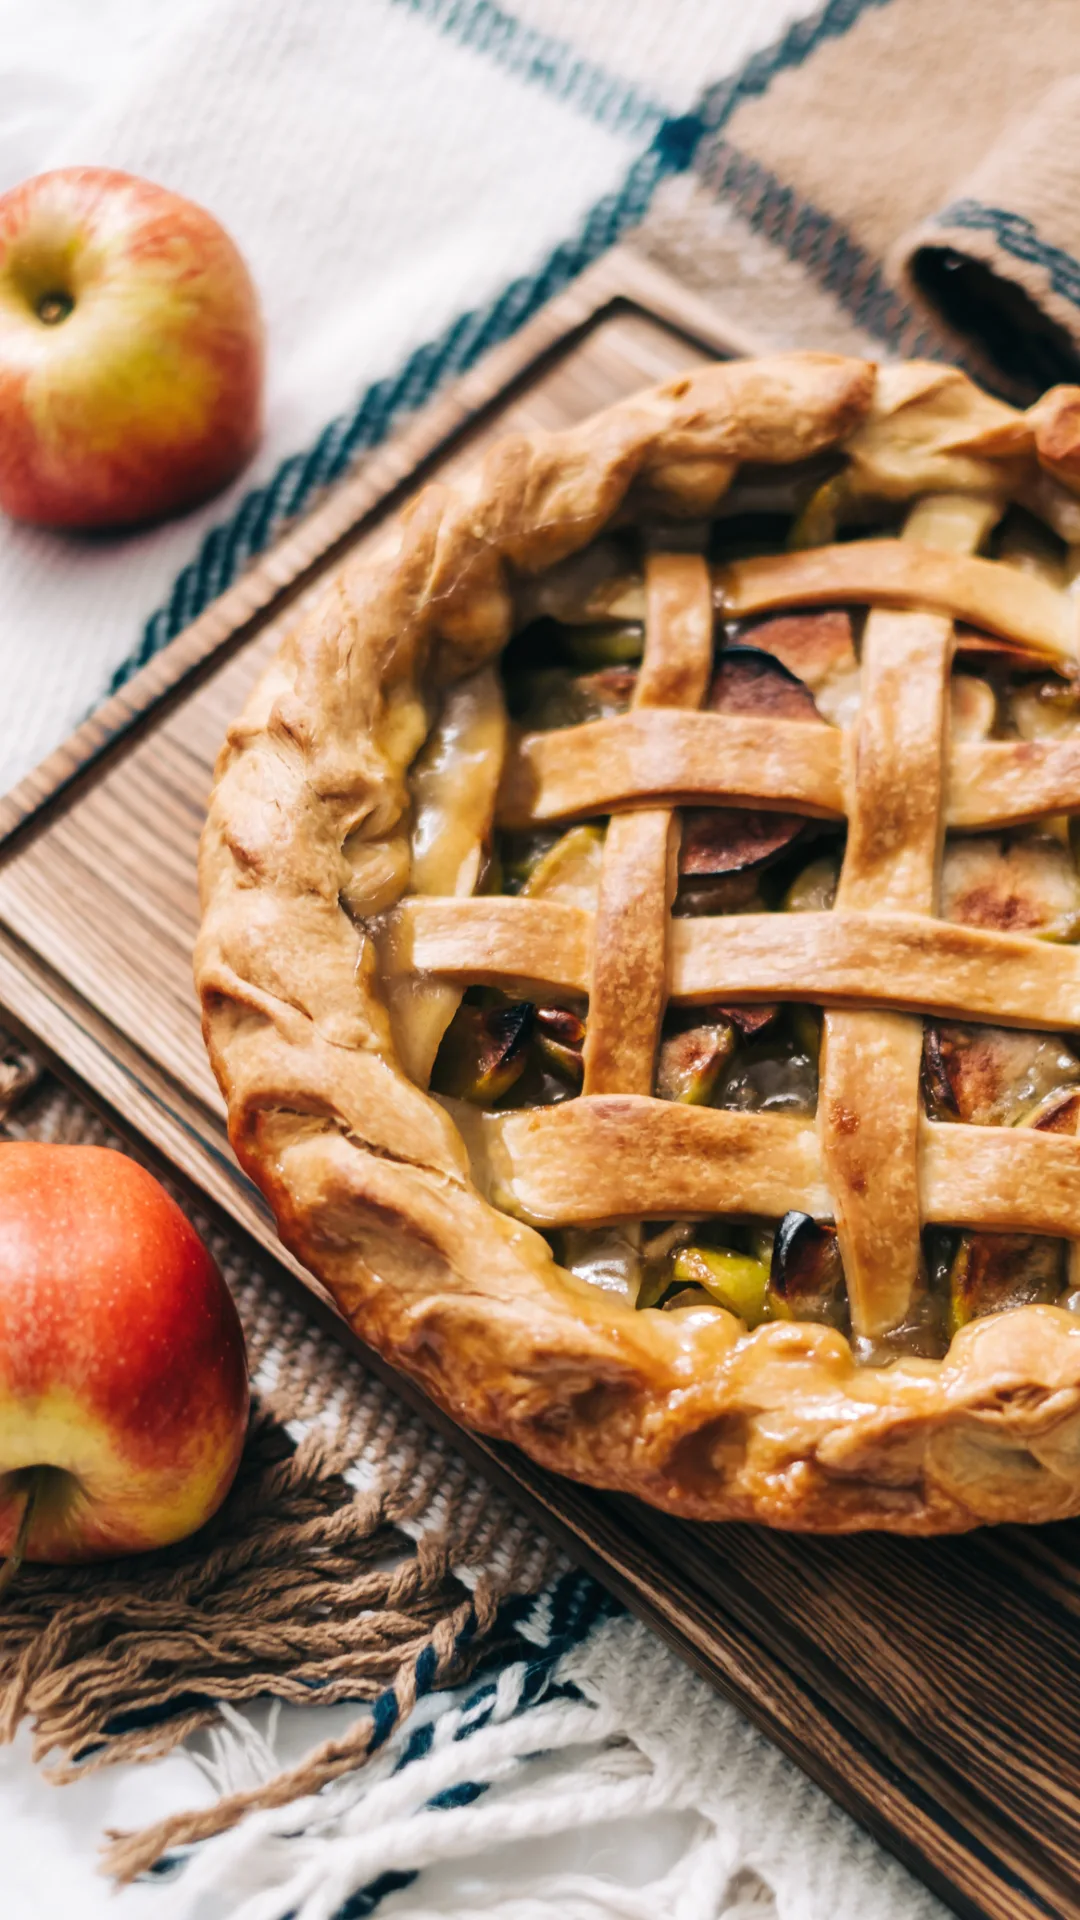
{"x":626,"y":1547}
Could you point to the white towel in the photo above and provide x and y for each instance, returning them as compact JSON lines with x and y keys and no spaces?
{"x":386,"y":166}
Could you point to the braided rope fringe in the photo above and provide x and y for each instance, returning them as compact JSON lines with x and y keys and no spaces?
{"x":569,"y":1611}
{"x":640,"y":1736}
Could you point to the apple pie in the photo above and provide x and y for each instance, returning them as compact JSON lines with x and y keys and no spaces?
{"x":639,"y":949}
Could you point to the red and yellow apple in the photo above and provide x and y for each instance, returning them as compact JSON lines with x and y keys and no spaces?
{"x":131,"y":351}
{"x":123,"y":1383}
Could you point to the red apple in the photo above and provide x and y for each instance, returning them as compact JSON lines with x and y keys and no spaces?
{"x":123,"y":1384}
{"x":131,"y":351}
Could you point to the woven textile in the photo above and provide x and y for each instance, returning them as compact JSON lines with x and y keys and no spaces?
{"x":357,"y":1561}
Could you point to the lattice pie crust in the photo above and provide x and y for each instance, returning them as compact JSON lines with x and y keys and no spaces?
{"x":342,"y":924}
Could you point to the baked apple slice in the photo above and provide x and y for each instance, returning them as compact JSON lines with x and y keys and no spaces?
{"x":749,"y":680}
{"x":691,"y":1061}
{"x":993,"y":1076}
{"x":992,"y":1272}
{"x":484,"y":1052}
{"x":1025,"y":882}
{"x":806,"y":1277}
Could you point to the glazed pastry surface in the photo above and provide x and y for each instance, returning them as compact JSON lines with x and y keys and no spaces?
{"x":639,"y":946}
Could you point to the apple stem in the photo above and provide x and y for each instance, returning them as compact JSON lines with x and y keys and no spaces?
{"x":9,"y":1568}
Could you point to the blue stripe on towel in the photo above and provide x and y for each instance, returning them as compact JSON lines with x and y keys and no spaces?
{"x":674,"y":144}
{"x":533,"y":1632}
{"x":1017,"y":235}
{"x":819,"y":243}
{"x":795,"y":46}
{"x":262,"y":514}
{"x":544,"y":61}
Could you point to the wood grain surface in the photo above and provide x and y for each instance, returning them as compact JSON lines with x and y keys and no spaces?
{"x":932,"y":1687}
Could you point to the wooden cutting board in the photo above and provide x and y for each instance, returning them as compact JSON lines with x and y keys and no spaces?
{"x":932,"y":1687}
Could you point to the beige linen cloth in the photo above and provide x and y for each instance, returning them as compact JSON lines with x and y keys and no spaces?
{"x":912,"y":182}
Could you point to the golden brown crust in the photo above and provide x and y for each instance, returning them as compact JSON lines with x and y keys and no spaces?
{"x":1056,"y":419}
{"x":605,"y":765}
{"x":829,"y":959}
{"x":886,"y":573}
{"x":628,"y":978}
{"x":871,"y":1060}
{"x":368,"y":1176}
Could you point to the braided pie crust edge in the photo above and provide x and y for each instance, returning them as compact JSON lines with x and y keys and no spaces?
{"x":367,"y":1175}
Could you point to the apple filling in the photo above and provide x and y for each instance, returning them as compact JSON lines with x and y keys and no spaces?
{"x":789,"y":1270}
{"x":575,"y":659}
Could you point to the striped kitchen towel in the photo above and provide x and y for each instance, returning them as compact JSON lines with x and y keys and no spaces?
{"x":411,"y":179}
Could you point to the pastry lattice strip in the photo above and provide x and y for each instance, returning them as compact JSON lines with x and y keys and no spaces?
{"x":643,"y":758}
{"x":827,"y":959}
{"x":872,"y":1161}
{"x":869,"y":1099}
{"x":618,"y":1157}
{"x":628,"y":982}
